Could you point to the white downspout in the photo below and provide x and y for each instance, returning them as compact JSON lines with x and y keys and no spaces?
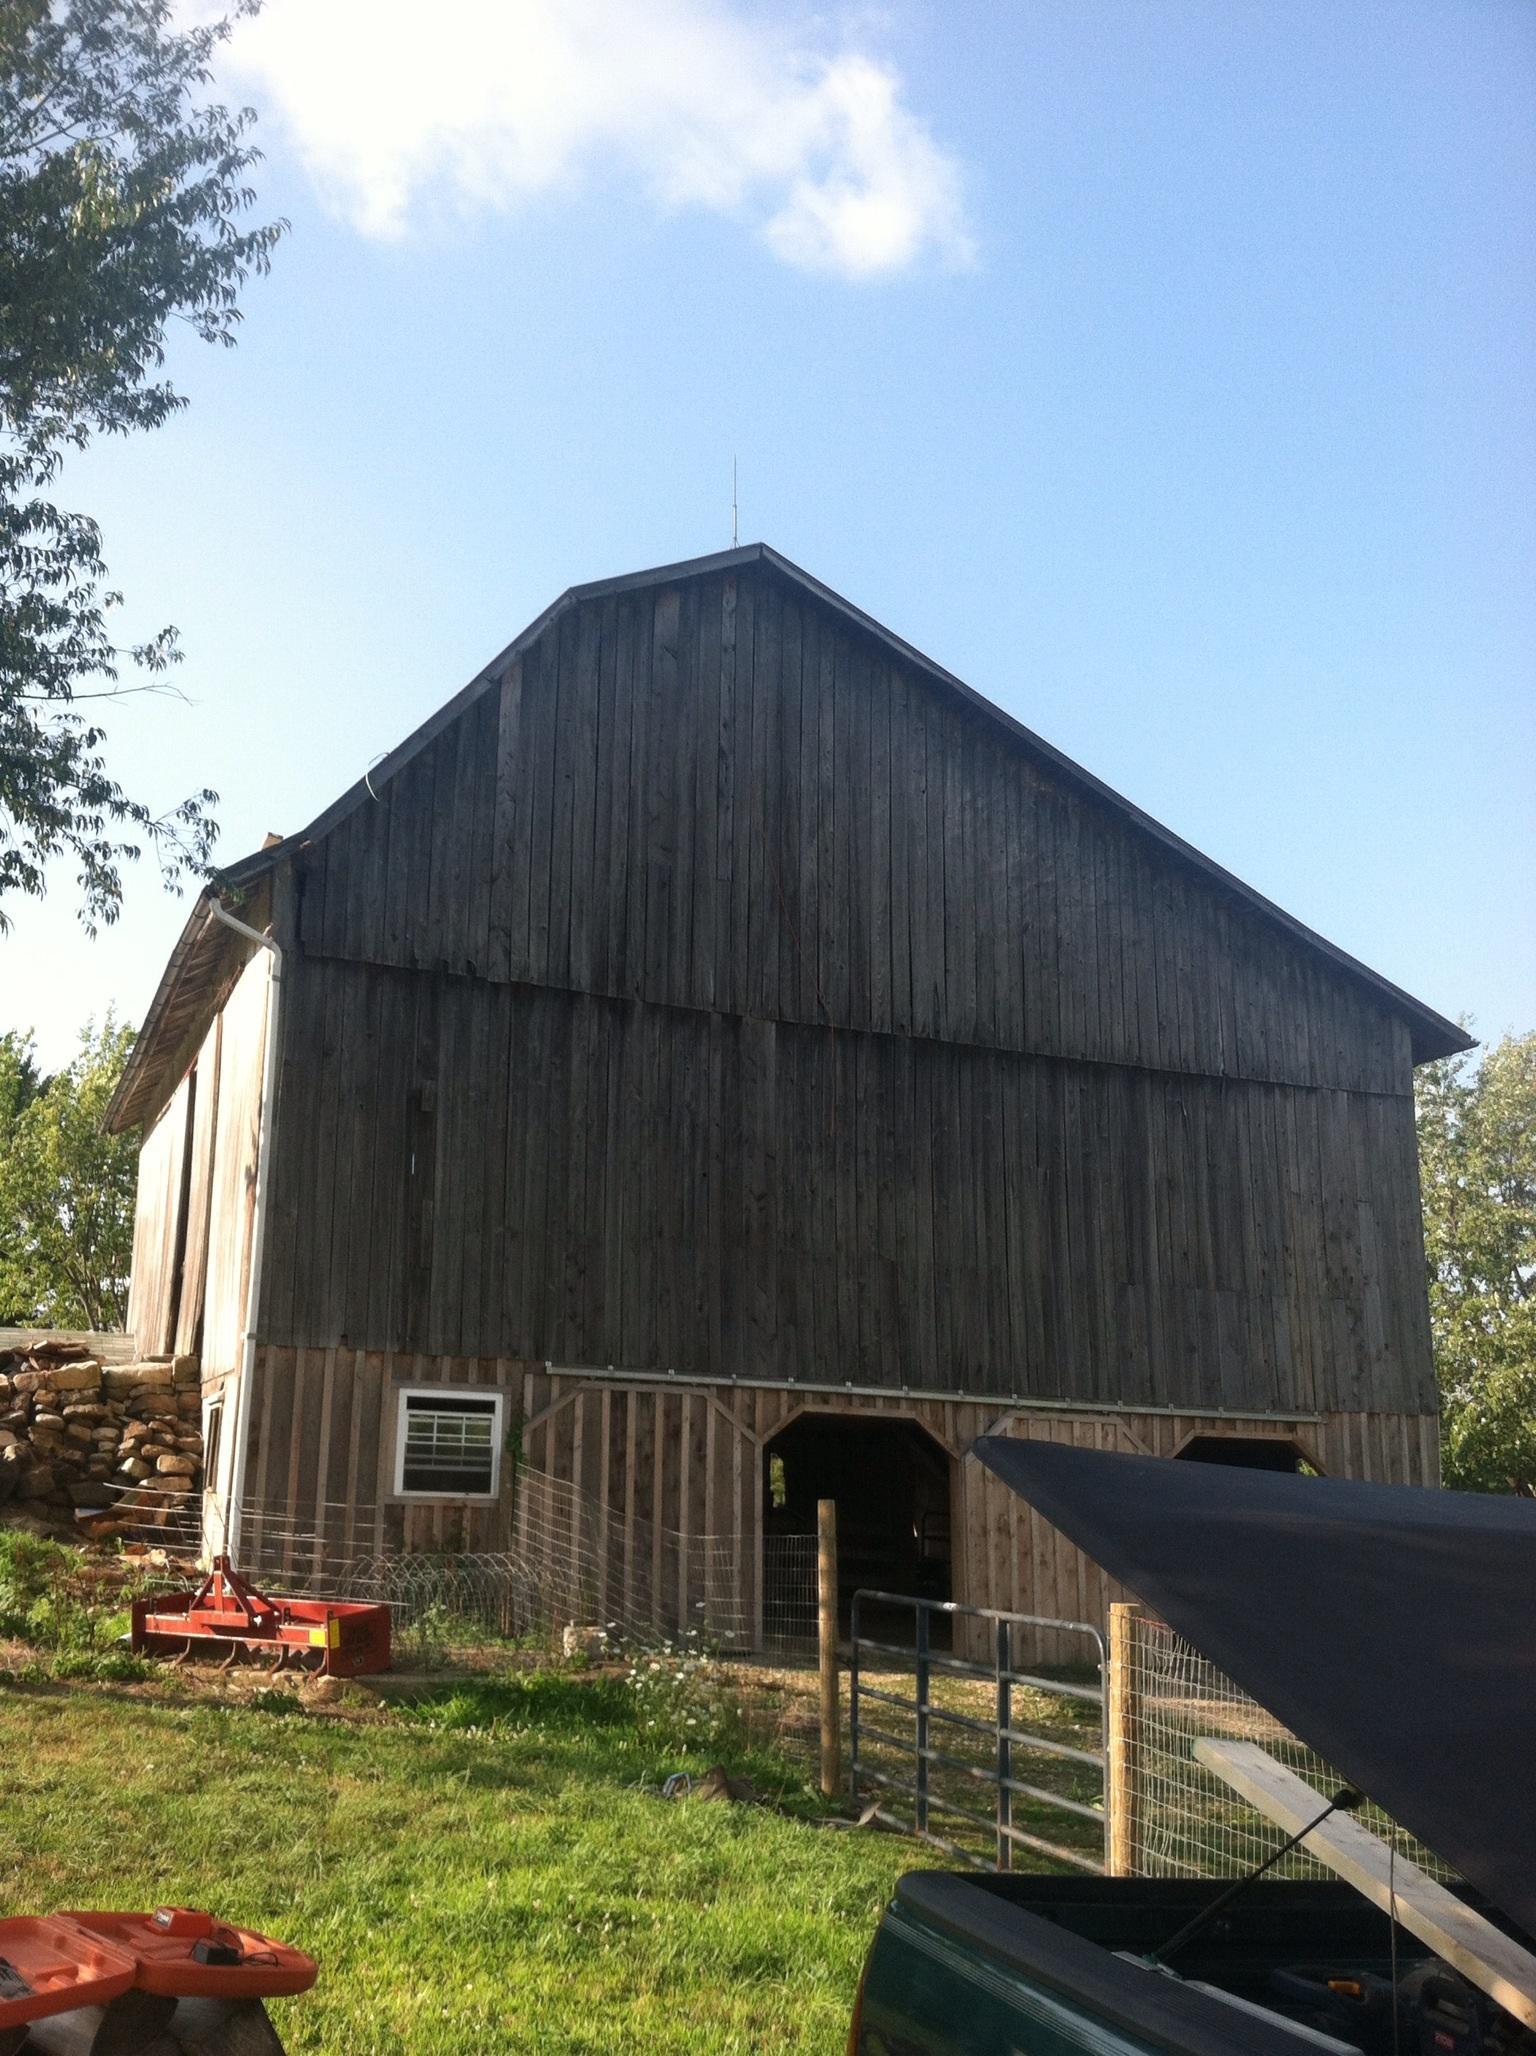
{"x":231,"y":1547}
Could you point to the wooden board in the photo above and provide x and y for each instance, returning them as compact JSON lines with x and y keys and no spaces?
{"x":199,"y":1184}
{"x":232,"y":1186}
{"x":105,"y":1347}
{"x":530,"y":1172}
{"x":719,"y":794}
{"x":1470,"y":1944}
{"x":159,"y":1225}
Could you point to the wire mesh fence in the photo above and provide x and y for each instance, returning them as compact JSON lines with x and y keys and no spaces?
{"x":569,"y":1563}
{"x":576,"y":1570}
{"x":146,"y":1515}
{"x":789,"y":1595}
{"x":1185,"y":1821}
{"x":571,"y":1571}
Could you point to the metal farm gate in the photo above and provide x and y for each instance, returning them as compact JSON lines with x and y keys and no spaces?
{"x":935,"y":1737}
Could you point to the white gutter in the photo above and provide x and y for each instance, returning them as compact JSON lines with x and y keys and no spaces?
{"x":265,"y":1127}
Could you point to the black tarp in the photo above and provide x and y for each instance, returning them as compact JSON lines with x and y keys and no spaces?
{"x":1391,"y":1627}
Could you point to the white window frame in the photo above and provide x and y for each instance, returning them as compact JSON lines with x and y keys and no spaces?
{"x":493,"y":1400}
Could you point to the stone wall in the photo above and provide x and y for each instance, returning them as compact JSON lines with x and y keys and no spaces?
{"x":92,"y":1448}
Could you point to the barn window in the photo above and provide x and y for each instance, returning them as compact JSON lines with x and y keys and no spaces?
{"x":212,"y":1439}
{"x":448,"y":1444}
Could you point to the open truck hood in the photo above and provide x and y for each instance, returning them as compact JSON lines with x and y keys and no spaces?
{"x":1390,"y":1627}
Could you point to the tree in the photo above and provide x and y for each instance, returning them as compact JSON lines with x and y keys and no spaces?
{"x":121,"y":190}
{"x":20,"y":1080}
{"x":1477,"y":1153}
{"x":67,"y":1192}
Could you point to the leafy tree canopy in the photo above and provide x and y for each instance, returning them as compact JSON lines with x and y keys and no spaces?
{"x":20,"y":1080}
{"x":122,"y":187}
{"x":66,"y":1187}
{"x":1477,"y":1151}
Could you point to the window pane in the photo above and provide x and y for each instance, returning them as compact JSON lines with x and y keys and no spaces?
{"x":449,"y":1446}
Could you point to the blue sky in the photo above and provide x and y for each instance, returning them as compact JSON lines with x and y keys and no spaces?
{"x":1167,"y":370}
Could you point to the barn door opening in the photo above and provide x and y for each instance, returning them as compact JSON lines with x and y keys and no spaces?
{"x":1247,"y":1452}
{"x":891,"y":1483}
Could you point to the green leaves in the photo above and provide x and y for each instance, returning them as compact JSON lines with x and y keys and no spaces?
{"x":1477,"y":1153}
{"x":66,"y":1188}
{"x":122,"y":187}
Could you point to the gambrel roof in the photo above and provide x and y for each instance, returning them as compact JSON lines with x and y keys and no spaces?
{"x":207,"y":955}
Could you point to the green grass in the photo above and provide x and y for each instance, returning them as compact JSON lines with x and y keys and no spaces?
{"x":483,"y":1871}
{"x":788,"y":1698}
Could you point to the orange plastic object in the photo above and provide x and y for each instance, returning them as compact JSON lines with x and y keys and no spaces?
{"x":161,"y":1948}
{"x":50,"y":1966}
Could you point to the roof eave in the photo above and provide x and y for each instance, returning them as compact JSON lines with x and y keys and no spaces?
{"x":117,"y":1117}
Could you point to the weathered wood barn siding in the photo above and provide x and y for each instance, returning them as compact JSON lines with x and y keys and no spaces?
{"x":232,"y":1183}
{"x":652,"y":1457}
{"x":715,"y":989}
{"x":152,"y":1287}
{"x":594,"y":1182}
{"x":941,"y":1074}
{"x":197,"y":1179}
{"x":720,"y":796}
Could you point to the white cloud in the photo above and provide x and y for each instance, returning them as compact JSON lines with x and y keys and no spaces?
{"x":396,"y":103}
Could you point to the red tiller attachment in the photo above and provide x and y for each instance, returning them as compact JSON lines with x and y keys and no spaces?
{"x":231,"y":1617}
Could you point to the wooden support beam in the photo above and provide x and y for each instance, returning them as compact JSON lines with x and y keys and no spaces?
{"x":1120,"y":1795}
{"x":826,"y":1622}
{"x":1470,"y":1944}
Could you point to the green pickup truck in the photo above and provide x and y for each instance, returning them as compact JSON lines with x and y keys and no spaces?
{"x":1388,"y":1627}
{"x":981,"y":1965}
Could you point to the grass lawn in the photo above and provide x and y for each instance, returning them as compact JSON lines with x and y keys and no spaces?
{"x":482,"y":1887}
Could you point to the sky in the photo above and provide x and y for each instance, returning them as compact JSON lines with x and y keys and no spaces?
{"x":1165,"y":368}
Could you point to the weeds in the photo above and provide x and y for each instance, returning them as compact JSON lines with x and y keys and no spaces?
{"x":101,"y":1666}
{"x":72,"y":1610}
{"x":269,"y":1700}
{"x":427,"y":1637}
{"x":684,"y":1699}
{"x":523,"y":1700}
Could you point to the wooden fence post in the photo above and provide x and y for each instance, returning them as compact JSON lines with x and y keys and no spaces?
{"x":1122,"y":1708}
{"x":826,"y":1626}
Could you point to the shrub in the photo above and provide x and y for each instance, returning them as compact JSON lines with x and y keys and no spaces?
{"x":51,"y":1599}
{"x":32,"y":1571}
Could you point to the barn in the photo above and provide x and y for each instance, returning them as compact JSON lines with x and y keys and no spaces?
{"x":720,"y":1060}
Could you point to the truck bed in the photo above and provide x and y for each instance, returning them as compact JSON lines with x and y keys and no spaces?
{"x":977,"y":1964}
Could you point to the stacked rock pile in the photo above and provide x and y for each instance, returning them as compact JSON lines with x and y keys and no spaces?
{"x":99,"y":1448}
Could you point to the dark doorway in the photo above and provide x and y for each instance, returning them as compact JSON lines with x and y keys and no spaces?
{"x":891,"y":1483}
{"x":1248,"y":1452}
